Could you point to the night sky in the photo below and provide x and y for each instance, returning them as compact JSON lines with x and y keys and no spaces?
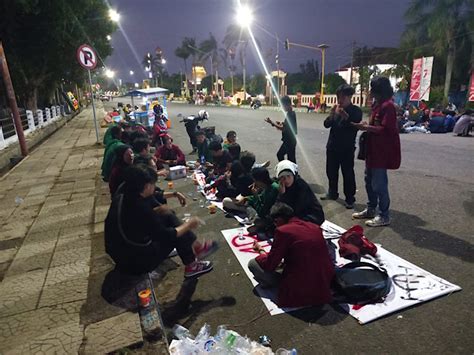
{"x":152,"y":23}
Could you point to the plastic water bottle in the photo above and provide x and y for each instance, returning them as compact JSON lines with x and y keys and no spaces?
{"x":241,"y":234}
{"x":181,"y":332}
{"x":19,"y":200}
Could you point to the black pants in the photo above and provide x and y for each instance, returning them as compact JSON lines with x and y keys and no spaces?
{"x":344,"y":160}
{"x":182,"y":244}
{"x":288,"y":148}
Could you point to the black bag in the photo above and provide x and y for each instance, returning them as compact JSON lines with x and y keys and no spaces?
{"x":361,"y":283}
{"x":362,"y":146}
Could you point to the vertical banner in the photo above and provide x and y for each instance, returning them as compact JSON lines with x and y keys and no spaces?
{"x":2,"y":139}
{"x":425,"y":86}
{"x":416,"y":79}
{"x":471,"y":87}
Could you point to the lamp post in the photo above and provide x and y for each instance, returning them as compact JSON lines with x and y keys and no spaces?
{"x":244,"y":18}
{"x":322,"y":48}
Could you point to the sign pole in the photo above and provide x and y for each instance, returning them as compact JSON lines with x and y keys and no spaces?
{"x":93,"y":108}
{"x":12,"y":101}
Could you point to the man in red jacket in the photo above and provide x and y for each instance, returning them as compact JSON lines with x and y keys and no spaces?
{"x":307,"y":270}
{"x":383,"y":152}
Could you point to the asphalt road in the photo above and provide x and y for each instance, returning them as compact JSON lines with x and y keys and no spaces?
{"x":432,"y":209}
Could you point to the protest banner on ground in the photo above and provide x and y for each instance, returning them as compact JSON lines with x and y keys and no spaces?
{"x":411,"y":285}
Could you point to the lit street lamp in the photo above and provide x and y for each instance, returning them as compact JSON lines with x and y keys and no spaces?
{"x":114,"y":15}
{"x":131,"y":72}
{"x":109,"y":73}
{"x":244,"y":18}
{"x":109,"y":37}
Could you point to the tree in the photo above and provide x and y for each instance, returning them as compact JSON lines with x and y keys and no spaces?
{"x":257,"y":84}
{"x":41,"y":38}
{"x":332,"y":81}
{"x":209,"y":50}
{"x":238,"y":39}
{"x":444,"y":24}
{"x":184,"y":52}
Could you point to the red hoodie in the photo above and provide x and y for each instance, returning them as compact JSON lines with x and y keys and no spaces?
{"x":383,"y":140}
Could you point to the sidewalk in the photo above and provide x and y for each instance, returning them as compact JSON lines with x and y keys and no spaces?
{"x":52,"y":207}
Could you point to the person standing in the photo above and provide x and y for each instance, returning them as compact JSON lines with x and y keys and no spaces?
{"x":341,"y":145}
{"x":288,"y":129}
{"x":383,"y":152}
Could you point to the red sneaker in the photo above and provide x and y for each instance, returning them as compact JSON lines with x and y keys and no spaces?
{"x":201,"y":250}
{"x":197,"y":268}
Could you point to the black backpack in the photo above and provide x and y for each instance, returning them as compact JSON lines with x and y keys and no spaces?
{"x":361,"y":283}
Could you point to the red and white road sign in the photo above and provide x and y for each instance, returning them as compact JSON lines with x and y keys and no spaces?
{"x":86,"y":57}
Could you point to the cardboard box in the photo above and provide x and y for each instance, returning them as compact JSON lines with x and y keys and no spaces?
{"x":177,"y":172}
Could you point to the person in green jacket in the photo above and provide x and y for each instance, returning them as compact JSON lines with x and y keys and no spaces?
{"x":108,"y":134}
{"x":258,"y":205}
{"x":110,"y":151}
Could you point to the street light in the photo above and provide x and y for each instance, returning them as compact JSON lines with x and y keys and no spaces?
{"x":323,"y":48}
{"x":114,"y":15}
{"x":109,"y":73}
{"x":163,"y":61}
{"x":109,"y":37}
{"x":244,"y":16}
{"x":131,"y":72}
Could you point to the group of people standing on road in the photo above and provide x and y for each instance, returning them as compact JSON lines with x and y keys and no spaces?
{"x":379,"y":146}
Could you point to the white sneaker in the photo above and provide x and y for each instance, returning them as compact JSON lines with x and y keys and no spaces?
{"x":378,"y":221}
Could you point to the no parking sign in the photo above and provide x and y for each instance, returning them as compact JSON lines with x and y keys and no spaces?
{"x":86,"y":57}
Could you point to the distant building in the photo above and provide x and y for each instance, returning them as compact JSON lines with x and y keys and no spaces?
{"x":345,"y":73}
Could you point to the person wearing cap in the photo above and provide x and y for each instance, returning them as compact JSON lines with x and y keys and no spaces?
{"x":288,"y":129}
{"x":341,"y":145}
{"x":307,"y":271}
{"x":296,"y":193}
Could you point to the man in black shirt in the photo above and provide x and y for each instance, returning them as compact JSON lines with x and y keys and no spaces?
{"x":288,"y":130}
{"x":222,"y":160}
{"x":341,"y":145}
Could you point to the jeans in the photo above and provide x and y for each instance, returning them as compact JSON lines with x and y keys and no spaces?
{"x":266,"y":279}
{"x":376,"y":185}
{"x":288,"y":148}
{"x":345,"y":160}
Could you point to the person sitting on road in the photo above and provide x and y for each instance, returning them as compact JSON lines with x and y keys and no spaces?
{"x":464,"y":124}
{"x":257,"y":205}
{"x":222,"y":160}
{"x":139,"y":237}
{"x":234,"y":182}
{"x":169,"y":154}
{"x":296,"y":193}
{"x":230,"y":144}
{"x":141,"y":147}
{"x":124,"y":159}
{"x":202,"y":145}
{"x":307,"y":271}
{"x":113,"y":143}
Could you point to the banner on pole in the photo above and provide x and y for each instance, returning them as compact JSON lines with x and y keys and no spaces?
{"x":471,"y":88}
{"x":416,"y":79}
{"x":425,"y":85}
{"x":421,"y":79}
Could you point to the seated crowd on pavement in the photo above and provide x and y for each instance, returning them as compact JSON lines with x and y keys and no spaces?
{"x":141,"y":230}
{"x":421,"y":119}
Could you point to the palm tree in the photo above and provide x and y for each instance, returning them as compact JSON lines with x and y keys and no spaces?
{"x":208,"y":49}
{"x":442,"y":23}
{"x":183,"y":52}
{"x":236,"y":37}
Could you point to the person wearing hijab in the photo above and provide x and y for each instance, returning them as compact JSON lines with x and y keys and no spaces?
{"x":296,"y":193}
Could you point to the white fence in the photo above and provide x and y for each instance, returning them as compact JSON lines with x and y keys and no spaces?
{"x":33,"y":121}
{"x":330,"y":100}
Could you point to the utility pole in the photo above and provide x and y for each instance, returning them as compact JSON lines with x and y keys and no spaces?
{"x":352,"y":62}
{"x":12,"y":101}
{"x":277,"y":59}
